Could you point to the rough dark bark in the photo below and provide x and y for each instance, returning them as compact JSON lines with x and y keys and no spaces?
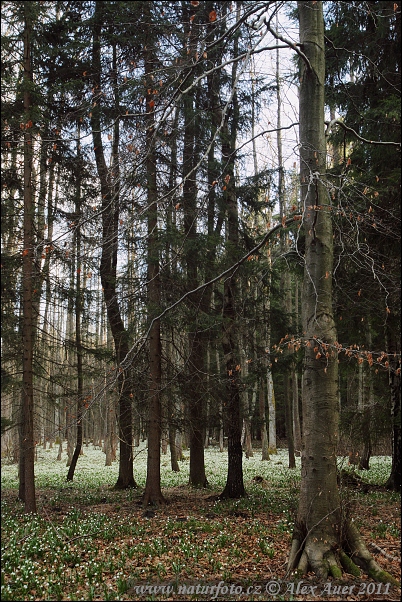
{"x":394,"y":480}
{"x":263,"y":420}
{"x":289,"y":418}
{"x":108,"y":264}
{"x":296,"y":415}
{"x":152,"y":493}
{"x":78,"y":311}
{"x":197,"y":351}
{"x":171,"y":271}
{"x":234,"y":487}
{"x":173,"y":448}
{"x":27,"y":455}
{"x":196,"y":408}
{"x":285,"y":277}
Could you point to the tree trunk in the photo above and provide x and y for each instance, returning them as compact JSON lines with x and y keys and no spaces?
{"x":394,"y":348}
{"x":364,"y":409}
{"x":247,"y":404}
{"x":69,"y":433}
{"x":27,"y":455}
{"x":263,"y":420}
{"x":108,"y":264}
{"x":171,"y":271}
{"x":320,"y":530}
{"x":153,"y":494}
{"x":173,"y":448}
{"x":289,"y":418}
{"x":263,"y":307}
{"x":297,"y":433}
{"x":171,"y":401}
{"x":197,"y":349}
{"x":271,"y":414}
{"x":78,"y":311}
{"x":109,"y":426}
{"x":296,"y":415}
{"x":60,"y":451}
{"x":319,"y":513}
{"x":269,"y":383}
{"x":232,"y":420}
{"x":221,"y":414}
{"x":234,"y":487}
{"x":285,"y":276}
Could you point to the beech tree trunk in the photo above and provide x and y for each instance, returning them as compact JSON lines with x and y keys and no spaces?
{"x":322,"y":535}
{"x":319,"y":516}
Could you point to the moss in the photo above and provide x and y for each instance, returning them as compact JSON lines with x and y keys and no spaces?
{"x":335,"y":571}
{"x":383,"y":577}
{"x":348,"y":565}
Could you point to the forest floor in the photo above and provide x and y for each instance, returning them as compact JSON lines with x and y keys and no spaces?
{"x":100,"y":544}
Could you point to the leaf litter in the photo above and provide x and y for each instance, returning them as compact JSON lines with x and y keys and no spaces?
{"x":98,"y":544}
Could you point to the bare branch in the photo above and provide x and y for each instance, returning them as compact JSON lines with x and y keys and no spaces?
{"x":347,"y":128}
{"x":293,"y":45}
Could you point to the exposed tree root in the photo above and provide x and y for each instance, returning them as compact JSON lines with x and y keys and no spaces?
{"x":326,"y":558}
{"x":333,"y":566}
{"x":348,"y":565}
{"x":362,"y":557}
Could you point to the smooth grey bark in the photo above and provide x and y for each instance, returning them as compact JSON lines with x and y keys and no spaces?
{"x":318,"y":521}
{"x":321,"y":532}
